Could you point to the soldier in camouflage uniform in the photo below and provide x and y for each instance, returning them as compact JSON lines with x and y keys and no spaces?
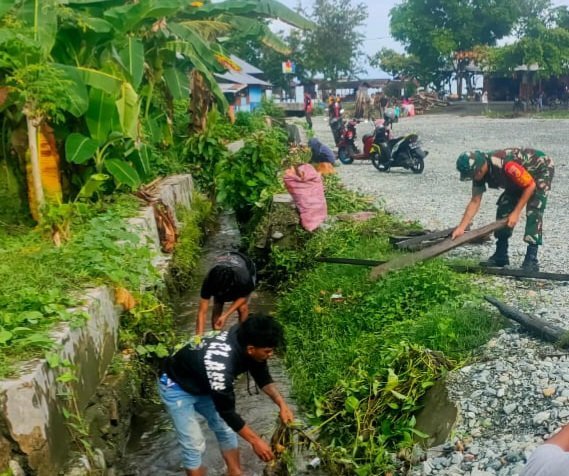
{"x":525,"y":175}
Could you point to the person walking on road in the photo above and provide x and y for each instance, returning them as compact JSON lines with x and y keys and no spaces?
{"x":232,"y":278}
{"x":199,"y":378}
{"x":526,"y":176}
{"x":308,"y":107}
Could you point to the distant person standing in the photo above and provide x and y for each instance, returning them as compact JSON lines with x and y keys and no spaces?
{"x":484,"y":100}
{"x":308,"y":106}
{"x":539,"y":101}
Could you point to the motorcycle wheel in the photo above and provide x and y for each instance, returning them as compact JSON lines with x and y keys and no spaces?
{"x":344,"y":156}
{"x":418,"y":165}
{"x":380,"y":159}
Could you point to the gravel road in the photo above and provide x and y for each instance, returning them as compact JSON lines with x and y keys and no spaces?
{"x":518,"y":392}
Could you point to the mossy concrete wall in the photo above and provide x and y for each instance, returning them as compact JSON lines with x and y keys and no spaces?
{"x":33,"y":431}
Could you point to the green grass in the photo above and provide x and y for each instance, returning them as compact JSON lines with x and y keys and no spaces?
{"x":362,"y":354}
{"x":39,"y":282}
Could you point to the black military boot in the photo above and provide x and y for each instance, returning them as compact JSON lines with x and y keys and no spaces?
{"x":500,"y":257}
{"x":530,"y":261}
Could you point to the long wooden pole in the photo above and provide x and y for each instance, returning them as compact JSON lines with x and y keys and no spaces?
{"x":541,"y":328}
{"x":436,"y":250}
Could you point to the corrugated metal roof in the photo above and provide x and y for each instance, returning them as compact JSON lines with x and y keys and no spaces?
{"x":241,"y":78}
{"x":245,"y":67}
{"x":231,"y":88}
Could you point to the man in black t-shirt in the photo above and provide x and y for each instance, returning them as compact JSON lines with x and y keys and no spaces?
{"x":232,"y":278}
{"x":199,"y":378}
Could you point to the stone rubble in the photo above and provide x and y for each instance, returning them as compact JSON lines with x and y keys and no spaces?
{"x":516,"y":393}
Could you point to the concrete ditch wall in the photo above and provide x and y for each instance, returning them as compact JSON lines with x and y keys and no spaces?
{"x":34,"y":438}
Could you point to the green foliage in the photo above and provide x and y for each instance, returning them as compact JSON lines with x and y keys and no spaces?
{"x":398,"y":64}
{"x":202,"y":153}
{"x":341,"y":200}
{"x":101,"y":249}
{"x":195,"y":221}
{"x":241,"y":178}
{"x":333,"y":47}
{"x":380,"y":344}
{"x":362,"y":354}
{"x":432,"y":31}
{"x":42,"y":89}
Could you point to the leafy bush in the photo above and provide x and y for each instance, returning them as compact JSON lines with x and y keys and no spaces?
{"x":202,"y":153}
{"x":38,"y":280}
{"x":242,"y":177}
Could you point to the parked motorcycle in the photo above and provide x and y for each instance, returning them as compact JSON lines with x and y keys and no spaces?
{"x":347,"y":135}
{"x":404,"y":151}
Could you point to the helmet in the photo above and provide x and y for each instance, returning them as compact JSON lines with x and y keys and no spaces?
{"x":468,"y":163}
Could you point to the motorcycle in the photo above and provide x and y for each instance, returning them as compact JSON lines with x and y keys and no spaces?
{"x":346,"y":143}
{"x":404,"y":151}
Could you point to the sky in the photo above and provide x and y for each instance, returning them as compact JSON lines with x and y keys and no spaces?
{"x":376,"y":30}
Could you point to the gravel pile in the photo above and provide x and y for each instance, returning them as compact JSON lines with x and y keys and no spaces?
{"x":517,"y":393}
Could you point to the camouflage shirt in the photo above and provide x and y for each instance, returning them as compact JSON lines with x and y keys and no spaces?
{"x":515,"y":168}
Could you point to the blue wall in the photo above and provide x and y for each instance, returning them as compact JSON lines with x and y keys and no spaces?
{"x":255,"y":96}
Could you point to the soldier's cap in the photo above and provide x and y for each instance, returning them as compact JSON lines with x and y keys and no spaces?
{"x":468,"y":163}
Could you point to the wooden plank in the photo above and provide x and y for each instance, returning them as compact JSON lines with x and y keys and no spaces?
{"x":516,"y":273}
{"x":411,"y":243}
{"x":436,"y":250}
{"x":539,"y":327}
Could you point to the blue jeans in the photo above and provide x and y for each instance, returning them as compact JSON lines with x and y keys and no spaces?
{"x":183,"y":408}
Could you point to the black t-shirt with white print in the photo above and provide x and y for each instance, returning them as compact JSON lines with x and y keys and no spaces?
{"x":211,"y":368}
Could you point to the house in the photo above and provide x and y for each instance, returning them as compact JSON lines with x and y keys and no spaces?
{"x":243,"y":89}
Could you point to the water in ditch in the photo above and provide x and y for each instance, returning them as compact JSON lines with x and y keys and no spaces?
{"x":152,"y":448}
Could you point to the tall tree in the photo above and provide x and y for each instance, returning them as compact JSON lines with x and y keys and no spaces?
{"x":334,"y":47}
{"x":434,"y":30}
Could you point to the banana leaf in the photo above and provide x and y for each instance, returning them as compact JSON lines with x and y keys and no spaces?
{"x":256,"y":9}
{"x":77,"y":93}
{"x":123,"y":173}
{"x":132,"y":59}
{"x":128,"y":107}
{"x":102,"y":115}
{"x":178,"y":83}
{"x":79,"y":149}
{"x":41,"y":16}
{"x":93,"y":185}
{"x":106,"y":82}
{"x":127,"y":18}
{"x":141,"y":160}
{"x":253,"y":28}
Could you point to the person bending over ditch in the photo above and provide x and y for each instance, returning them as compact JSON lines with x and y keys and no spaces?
{"x":551,"y":458}
{"x":199,"y":379}
{"x":232,"y":278}
{"x":526,"y":176}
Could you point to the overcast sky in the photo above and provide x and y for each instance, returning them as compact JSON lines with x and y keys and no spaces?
{"x":376,"y":30}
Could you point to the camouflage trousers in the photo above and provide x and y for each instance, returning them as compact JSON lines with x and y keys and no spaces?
{"x":535,"y":209}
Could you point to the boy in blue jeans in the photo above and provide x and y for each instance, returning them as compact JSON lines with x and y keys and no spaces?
{"x":199,"y":379}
